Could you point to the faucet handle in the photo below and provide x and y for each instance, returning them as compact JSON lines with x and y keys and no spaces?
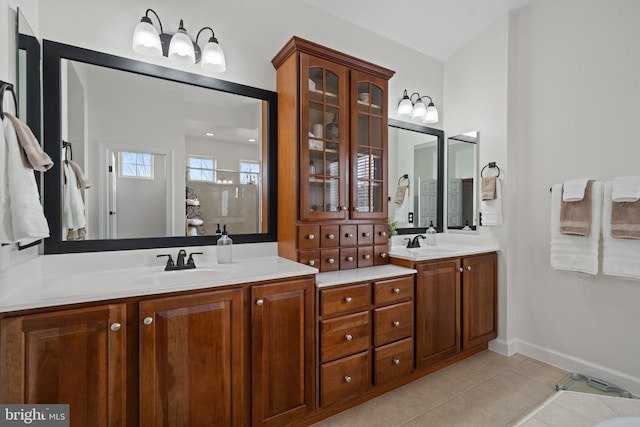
{"x":169,"y":261}
{"x":190,"y":260}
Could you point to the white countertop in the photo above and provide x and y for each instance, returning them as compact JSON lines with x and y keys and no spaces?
{"x":446,"y":247}
{"x":365,"y":274}
{"x":53,"y":280}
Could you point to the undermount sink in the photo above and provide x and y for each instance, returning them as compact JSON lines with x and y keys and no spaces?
{"x":177,"y":277}
{"x":430,"y":249}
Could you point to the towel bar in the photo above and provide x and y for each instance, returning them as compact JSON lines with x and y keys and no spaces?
{"x":491,"y":165}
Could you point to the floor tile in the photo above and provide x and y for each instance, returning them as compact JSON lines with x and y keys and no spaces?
{"x":429,"y":419}
{"x":398,"y":406}
{"x":539,"y":372}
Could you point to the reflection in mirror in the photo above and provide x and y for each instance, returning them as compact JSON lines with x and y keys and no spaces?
{"x":462,"y":170}
{"x":416,"y":175}
{"x":28,"y":75}
{"x":167,"y":155}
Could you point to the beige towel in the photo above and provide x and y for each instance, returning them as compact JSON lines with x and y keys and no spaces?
{"x":575,"y":217}
{"x":400,"y":193}
{"x":36,"y":158}
{"x":488,"y":188}
{"x":81,"y":180}
{"x":625,"y":220}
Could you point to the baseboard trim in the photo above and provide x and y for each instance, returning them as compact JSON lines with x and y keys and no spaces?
{"x":573,"y":364}
{"x":506,"y":348}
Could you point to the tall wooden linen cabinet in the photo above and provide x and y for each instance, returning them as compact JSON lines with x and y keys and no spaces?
{"x":332,"y":157}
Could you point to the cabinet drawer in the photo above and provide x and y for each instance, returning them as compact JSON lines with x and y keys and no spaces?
{"x":365,"y":256}
{"x":344,"y":378}
{"x":342,"y":300}
{"x":393,"y":361}
{"x":365,"y":234}
{"x":388,"y":291}
{"x":308,"y":236}
{"x":310,"y":258}
{"x":380,"y":255}
{"x":329,"y":259}
{"x":348,"y":258}
{"x":329,"y":236}
{"x":343,"y":336}
{"x":392,"y":323}
{"x":381,"y":234}
{"x":348,"y":235}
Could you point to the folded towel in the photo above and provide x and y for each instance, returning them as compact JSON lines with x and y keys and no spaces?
{"x":72,"y":204}
{"x":620,"y":257}
{"x":626,"y":189}
{"x":81,"y":180}
{"x":574,"y":189}
{"x":401,"y":191}
{"x":625,"y":220}
{"x":36,"y":157}
{"x":492,"y":209}
{"x":21,"y":199}
{"x":402,"y":210}
{"x":575,"y":217}
{"x":575,"y":253}
{"x":488,"y":188}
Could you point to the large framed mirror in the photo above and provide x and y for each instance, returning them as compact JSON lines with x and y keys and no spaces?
{"x":416,"y":161}
{"x":28,"y":75}
{"x":168,"y":155}
{"x":462,"y":182}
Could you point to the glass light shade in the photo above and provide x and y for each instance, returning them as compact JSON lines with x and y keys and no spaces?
{"x":405,"y":107}
{"x":419,"y":110}
{"x":181,"y":48}
{"x":431,"y":115}
{"x":146,"y":39}
{"x":213,"y":58}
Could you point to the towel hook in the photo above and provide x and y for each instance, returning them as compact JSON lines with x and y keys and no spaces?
{"x":7,"y":87}
{"x":491,"y":165}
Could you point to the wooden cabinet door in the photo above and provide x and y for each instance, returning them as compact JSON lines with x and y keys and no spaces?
{"x":75,"y":357}
{"x":437,"y":302}
{"x":369,"y":134}
{"x":191,"y":360}
{"x":479,"y":300}
{"x":282,"y":351}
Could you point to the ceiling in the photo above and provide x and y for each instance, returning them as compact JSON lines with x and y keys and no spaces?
{"x":438,"y":28}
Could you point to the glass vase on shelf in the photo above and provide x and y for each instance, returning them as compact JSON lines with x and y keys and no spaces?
{"x":332,"y":128}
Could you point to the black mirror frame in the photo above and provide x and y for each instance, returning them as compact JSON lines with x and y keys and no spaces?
{"x":53,"y":53}
{"x":439,"y":134}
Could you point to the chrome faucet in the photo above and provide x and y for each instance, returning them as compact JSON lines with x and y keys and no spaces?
{"x":180,"y":264}
{"x":414,"y":243}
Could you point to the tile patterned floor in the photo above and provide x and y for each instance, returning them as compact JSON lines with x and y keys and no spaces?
{"x":486,"y":390}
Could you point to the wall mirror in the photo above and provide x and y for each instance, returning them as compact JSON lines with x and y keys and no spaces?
{"x":462,"y":172}
{"x":28,"y":75}
{"x":416,"y":160}
{"x":168,"y":154}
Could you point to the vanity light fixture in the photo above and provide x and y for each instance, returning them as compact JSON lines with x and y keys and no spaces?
{"x":418,"y":110}
{"x":178,"y":47}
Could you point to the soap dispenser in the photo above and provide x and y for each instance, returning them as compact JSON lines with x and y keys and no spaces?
{"x":431,"y":234}
{"x":224,"y":247}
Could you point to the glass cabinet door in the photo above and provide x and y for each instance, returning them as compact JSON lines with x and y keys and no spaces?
{"x":369,"y":147}
{"x":324,"y":140}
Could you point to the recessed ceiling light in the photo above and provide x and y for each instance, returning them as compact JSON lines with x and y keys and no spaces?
{"x":252,"y":140}
{"x":210,"y":134}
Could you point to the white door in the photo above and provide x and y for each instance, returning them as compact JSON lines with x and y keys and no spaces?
{"x":454,"y":202}
{"x":428,"y":200}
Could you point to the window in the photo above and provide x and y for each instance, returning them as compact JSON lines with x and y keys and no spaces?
{"x":136,"y":165}
{"x":201,"y":168}
{"x":249,"y":171}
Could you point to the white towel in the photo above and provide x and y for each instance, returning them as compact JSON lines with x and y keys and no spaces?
{"x":626,"y":189}
{"x":492,"y":209}
{"x":73,"y":217}
{"x":573,"y":190}
{"x":22,"y":215}
{"x":620,"y":257}
{"x":576,"y":253}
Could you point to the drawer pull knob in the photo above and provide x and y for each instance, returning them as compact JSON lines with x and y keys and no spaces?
{"x":347,"y":378}
{"x":396,"y":290}
{"x":366,"y":256}
{"x":468,"y":268}
{"x":331,"y":260}
{"x":148,"y":320}
{"x":115,"y":326}
{"x":365,"y":234}
{"x":347,"y":299}
{"x":349,"y":258}
{"x":311,"y":236}
{"x":349,"y":235}
{"x":383,"y":233}
{"x":344,"y":208}
{"x":461,"y":269}
{"x":383,"y":255}
{"x":312,"y":262}
{"x":348,"y":337}
{"x":396,"y":323}
{"x":259,"y":303}
{"x":331,"y":236}
{"x":396,"y":361}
